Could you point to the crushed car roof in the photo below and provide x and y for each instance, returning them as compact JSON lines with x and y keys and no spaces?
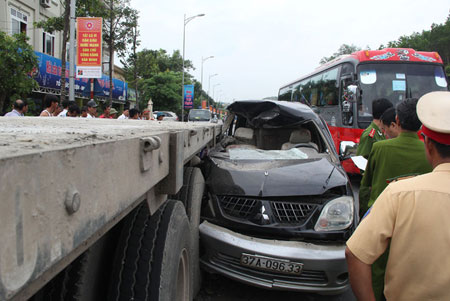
{"x":272,"y":113}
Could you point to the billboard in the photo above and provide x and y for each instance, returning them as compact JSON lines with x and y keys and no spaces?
{"x":188,"y":96}
{"x":89,"y":48}
{"x":48,"y":75}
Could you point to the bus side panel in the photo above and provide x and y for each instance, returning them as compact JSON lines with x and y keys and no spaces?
{"x":346,"y":134}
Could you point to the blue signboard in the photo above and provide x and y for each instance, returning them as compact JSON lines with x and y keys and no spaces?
{"x":188,"y":96}
{"x":49,"y":76}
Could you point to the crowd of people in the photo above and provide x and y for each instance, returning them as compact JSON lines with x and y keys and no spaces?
{"x":399,"y":249}
{"x":52,"y":108}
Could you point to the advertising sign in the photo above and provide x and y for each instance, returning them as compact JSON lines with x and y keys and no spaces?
{"x":188,"y":96}
{"x":48,"y":75}
{"x":89,"y":48}
{"x":204,"y":104}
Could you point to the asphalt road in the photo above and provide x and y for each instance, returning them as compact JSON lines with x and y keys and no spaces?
{"x":219,"y":288}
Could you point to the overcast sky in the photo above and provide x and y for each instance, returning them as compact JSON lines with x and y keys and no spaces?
{"x":259,"y":45}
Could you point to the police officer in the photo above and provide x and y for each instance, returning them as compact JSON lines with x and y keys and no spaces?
{"x":373,"y":133}
{"x":412,"y":215}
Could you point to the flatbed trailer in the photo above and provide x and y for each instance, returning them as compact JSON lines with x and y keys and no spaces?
{"x":84,"y":210}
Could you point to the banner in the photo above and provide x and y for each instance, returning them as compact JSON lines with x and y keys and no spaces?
{"x":89,"y":48}
{"x":48,"y":75}
{"x":188,"y":96}
{"x":204,"y":104}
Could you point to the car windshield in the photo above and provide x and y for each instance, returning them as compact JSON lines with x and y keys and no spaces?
{"x":259,"y":154}
{"x":199,"y":115}
{"x":397,"y":82}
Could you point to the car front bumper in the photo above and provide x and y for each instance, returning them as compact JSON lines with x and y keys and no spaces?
{"x":324,"y":266}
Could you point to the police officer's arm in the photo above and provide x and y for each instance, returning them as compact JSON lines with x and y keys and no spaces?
{"x":364,"y":146}
{"x":360,"y":275}
{"x":366,"y":184}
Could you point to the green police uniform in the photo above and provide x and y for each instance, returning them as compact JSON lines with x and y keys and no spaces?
{"x":370,"y":135}
{"x":404,"y":155}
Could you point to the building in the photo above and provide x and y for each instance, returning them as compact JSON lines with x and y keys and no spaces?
{"x":18,"y":16}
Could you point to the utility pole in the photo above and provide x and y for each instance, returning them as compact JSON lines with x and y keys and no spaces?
{"x":72,"y":52}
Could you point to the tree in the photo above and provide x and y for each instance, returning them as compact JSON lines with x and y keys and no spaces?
{"x":164,"y":88}
{"x":17,"y":61}
{"x":344,"y":49}
{"x":436,"y":39}
{"x":117,"y":29}
{"x":133,"y":42}
{"x":85,"y":8}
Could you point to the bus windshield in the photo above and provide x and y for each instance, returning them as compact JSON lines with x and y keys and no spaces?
{"x":397,"y":82}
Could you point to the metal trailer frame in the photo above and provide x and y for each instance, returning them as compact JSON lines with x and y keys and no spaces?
{"x":65,"y":182}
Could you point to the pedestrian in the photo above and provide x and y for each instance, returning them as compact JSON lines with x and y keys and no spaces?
{"x":106,"y":112}
{"x":84,"y":113}
{"x":133,"y":114}
{"x":160,"y":116}
{"x":373,"y":133}
{"x":389,"y":159}
{"x":112,"y":113}
{"x":412,"y":215}
{"x":73,"y":110}
{"x":58,"y":110}
{"x":388,"y":124}
{"x":125,"y":114}
{"x":19,"y":109}
{"x":146,"y":114}
{"x":65,"y":104}
{"x":91,"y":109}
{"x":50,"y":103}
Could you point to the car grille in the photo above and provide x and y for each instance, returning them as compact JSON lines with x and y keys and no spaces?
{"x":289,"y":213}
{"x":236,"y":206}
{"x":306,"y":277}
{"x":282,"y":212}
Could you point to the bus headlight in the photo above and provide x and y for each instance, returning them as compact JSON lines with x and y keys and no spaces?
{"x":336,"y":215}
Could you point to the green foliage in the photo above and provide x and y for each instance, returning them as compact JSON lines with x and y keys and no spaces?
{"x":164,"y":89}
{"x":435,"y":39}
{"x":344,"y":49}
{"x":17,"y":61}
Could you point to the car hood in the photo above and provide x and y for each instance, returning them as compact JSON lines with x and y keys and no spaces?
{"x":269,"y":179}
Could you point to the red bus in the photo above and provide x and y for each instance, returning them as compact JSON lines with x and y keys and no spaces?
{"x":342,"y":90}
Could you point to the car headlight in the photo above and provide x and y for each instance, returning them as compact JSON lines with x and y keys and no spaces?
{"x":336,"y":215}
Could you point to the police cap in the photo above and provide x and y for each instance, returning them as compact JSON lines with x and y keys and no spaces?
{"x":433,"y":110}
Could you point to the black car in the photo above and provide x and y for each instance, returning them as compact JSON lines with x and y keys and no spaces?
{"x":279,"y":206}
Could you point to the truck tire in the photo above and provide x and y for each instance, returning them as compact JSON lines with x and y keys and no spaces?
{"x":191,"y":195}
{"x":153,"y":255}
{"x":84,"y":278}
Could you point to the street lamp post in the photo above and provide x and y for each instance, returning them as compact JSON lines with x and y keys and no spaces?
{"x":186,"y":21}
{"x":214,"y":87}
{"x":209,"y":85}
{"x":201,"y":82}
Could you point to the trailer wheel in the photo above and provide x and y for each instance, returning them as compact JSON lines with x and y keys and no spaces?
{"x":191,"y":196}
{"x":171,"y":270}
{"x":153,"y":256}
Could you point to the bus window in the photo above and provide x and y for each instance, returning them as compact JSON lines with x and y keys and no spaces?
{"x":285,"y":94}
{"x":299,"y":92}
{"x":314,"y":90}
{"x":329,"y":90}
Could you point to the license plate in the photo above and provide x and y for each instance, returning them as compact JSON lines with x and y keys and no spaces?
{"x":271,"y":264}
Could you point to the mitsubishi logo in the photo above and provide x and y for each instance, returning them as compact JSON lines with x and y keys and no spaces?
{"x":264,"y":216}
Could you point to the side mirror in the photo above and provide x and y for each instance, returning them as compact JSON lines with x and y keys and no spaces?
{"x":347,"y":149}
{"x":350,"y":92}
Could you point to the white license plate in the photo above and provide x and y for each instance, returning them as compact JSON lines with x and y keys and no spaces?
{"x":271,"y":264}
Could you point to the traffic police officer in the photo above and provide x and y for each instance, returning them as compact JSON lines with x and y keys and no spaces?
{"x":412,"y":215}
{"x":389,"y":159}
{"x":373,"y":133}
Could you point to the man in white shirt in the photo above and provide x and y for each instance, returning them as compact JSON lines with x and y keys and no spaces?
{"x":65,"y":105}
{"x":19,"y":108}
{"x":91,"y":109}
{"x":124,"y":115}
